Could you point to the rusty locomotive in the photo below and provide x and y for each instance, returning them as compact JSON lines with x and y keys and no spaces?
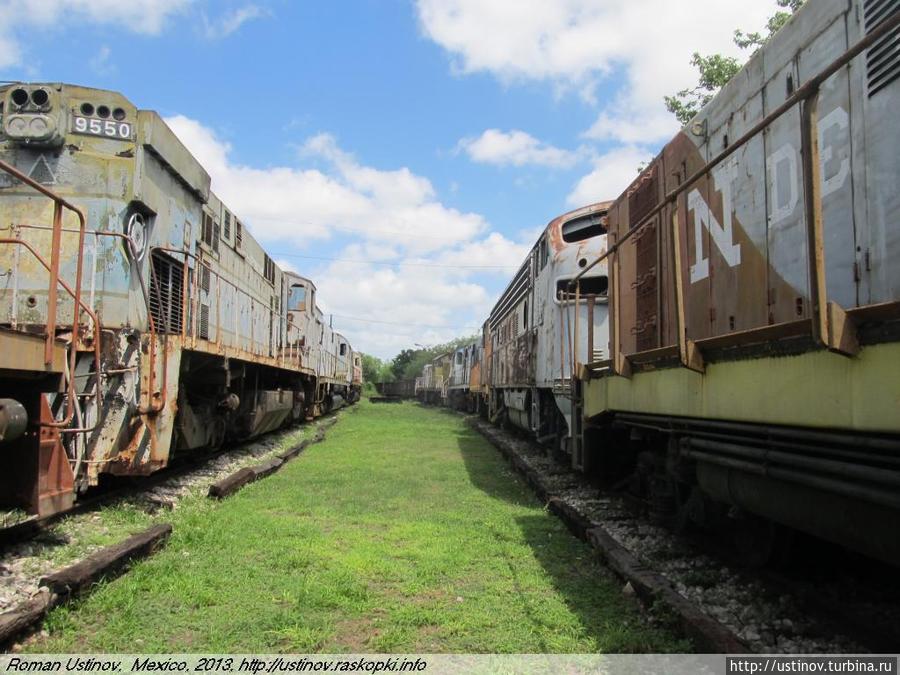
{"x":139,"y":318}
{"x":519,"y":372}
{"x":749,"y":378}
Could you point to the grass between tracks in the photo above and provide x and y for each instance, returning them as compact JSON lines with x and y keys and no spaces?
{"x":403,"y":532}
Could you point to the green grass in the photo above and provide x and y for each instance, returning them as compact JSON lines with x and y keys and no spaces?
{"x":403,"y":532}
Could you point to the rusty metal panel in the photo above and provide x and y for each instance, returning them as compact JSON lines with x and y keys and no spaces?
{"x":625,"y":302}
{"x":877,"y":134}
{"x":845,"y":263}
{"x":742,"y":226}
{"x":788,"y":284}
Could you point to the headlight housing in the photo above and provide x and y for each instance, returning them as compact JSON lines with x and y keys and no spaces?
{"x":32,"y":115}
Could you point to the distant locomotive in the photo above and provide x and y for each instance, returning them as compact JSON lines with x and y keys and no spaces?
{"x":520,"y":371}
{"x":139,"y":319}
{"x":749,"y":376}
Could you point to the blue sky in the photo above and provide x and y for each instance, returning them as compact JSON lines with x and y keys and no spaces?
{"x":435,"y":136}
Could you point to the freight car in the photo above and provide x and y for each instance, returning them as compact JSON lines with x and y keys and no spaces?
{"x":753,"y":379}
{"x":139,"y":318}
{"x":405,"y":388}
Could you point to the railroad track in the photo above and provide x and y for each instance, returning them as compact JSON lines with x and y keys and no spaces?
{"x":844,"y":604}
{"x":26,"y":597}
{"x":129,"y":487}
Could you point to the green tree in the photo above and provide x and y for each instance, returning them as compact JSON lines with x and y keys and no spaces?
{"x":376,"y":370}
{"x":775,"y":22}
{"x":399,"y":363}
{"x":716,"y":70}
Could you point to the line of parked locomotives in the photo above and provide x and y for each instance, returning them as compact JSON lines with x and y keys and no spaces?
{"x":139,"y":319}
{"x":722,"y":338}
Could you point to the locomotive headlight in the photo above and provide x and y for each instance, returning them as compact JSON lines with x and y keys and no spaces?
{"x":16,"y":126}
{"x":30,"y":127}
{"x":38,"y":126}
{"x":136,"y":231}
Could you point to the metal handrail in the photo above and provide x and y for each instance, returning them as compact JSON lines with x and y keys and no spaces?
{"x":221,"y":278}
{"x":95,"y":320}
{"x":129,"y":245}
{"x":59,"y":204}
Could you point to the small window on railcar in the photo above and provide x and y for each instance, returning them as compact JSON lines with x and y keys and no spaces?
{"x":589,"y":286}
{"x":297,"y":298}
{"x":343,"y":349}
{"x":268,"y":269}
{"x":215,"y":236}
{"x":545,"y":255}
{"x":585,"y":227}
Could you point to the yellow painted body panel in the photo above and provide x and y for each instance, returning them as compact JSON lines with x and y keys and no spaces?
{"x":24,"y":352}
{"x":815,"y":389}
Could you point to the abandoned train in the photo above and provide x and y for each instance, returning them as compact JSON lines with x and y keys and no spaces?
{"x":735,"y":355}
{"x":139,"y":319}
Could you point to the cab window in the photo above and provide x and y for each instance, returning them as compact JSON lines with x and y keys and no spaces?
{"x":297,"y":298}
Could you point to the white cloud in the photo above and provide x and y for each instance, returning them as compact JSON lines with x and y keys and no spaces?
{"x":100,"y":62}
{"x":577,"y":44}
{"x":229,"y":22}
{"x":649,"y":126}
{"x":515,"y":148}
{"x":613,"y":172}
{"x":298,"y":204}
{"x":441,"y":259}
{"x":139,"y":16}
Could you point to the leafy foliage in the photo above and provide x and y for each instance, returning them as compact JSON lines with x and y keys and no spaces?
{"x":376,"y":370}
{"x":716,"y":70}
{"x":775,"y":22}
{"x":408,"y":363}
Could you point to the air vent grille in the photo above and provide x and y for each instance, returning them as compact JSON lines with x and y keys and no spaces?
{"x":883,"y":57}
{"x":203,"y":329}
{"x":166,"y":294}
